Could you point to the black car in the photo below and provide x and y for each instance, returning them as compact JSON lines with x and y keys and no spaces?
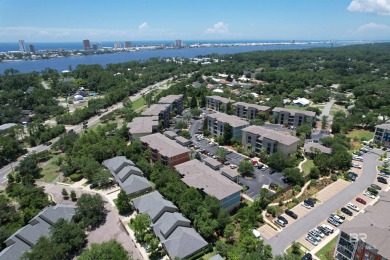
{"x":382,"y":180}
{"x":285,"y":221}
{"x":273,"y":186}
{"x":47,"y":143}
{"x":260,"y":165}
{"x":291,"y":214}
{"x":377,"y":187}
{"x":346,"y":211}
{"x":272,"y":171}
{"x":93,"y":185}
{"x":323,"y":230}
{"x":307,"y":256}
{"x":310,"y":202}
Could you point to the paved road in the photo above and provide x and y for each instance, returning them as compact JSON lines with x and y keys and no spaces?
{"x":326,"y":110}
{"x":303,"y":225}
{"x":43,"y":83}
{"x":77,"y":128}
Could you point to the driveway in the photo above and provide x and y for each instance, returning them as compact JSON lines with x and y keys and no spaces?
{"x":326,"y":110}
{"x":309,"y":221}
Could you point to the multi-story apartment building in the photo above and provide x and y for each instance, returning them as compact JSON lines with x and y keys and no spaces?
{"x":160,"y":110}
{"x":257,"y":137}
{"x":163,"y":149}
{"x":174,"y":102}
{"x":382,"y":134}
{"x":216,"y":124}
{"x":218,"y":103}
{"x":293,"y":117}
{"x":141,"y":126}
{"x":367,"y":235}
{"x":250,"y":111}
{"x":86,"y":45}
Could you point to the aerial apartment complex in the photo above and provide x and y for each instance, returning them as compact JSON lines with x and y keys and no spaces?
{"x":141,"y":126}
{"x":174,"y":102}
{"x":293,"y":117}
{"x":218,"y":103}
{"x":382,"y":135}
{"x":160,"y":110}
{"x":216,"y":124}
{"x":257,"y":137}
{"x":250,"y":111}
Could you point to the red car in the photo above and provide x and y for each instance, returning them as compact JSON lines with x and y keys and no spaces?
{"x":362,"y":201}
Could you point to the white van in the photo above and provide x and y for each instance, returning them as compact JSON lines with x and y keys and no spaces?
{"x":257,"y":234}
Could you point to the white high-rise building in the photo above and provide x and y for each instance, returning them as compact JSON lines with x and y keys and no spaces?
{"x":22,"y":46}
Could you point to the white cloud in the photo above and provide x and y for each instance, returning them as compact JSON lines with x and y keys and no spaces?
{"x":381,"y":7}
{"x":373,"y":26}
{"x":218,"y":28}
{"x":143,"y":26}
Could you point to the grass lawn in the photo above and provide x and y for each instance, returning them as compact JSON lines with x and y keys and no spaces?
{"x":302,"y":250}
{"x":296,"y":107}
{"x":336,"y":108}
{"x":327,"y":250}
{"x":359,"y":134}
{"x":50,"y":172}
{"x":209,"y":255}
{"x":139,"y":103}
{"x":307,"y":166}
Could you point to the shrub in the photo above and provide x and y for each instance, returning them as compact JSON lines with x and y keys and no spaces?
{"x":280,"y":202}
{"x":274,"y":210}
{"x":75,"y":177}
{"x":297,"y":188}
{"x":333,"y":177}
{"x":295,"y":200}
{"x":313,"y":183}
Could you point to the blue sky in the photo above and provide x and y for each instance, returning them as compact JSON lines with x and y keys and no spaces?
{"x":98,"y":20}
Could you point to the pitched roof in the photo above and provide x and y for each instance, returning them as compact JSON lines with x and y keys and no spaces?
{"x":143,"y":124}
{"x":212,"y":162}
{"x":135,"y":184}
{"x":374,"y":222}
{"x":155,"y":110}
{"x":153,"y":204}
{"x":234,"y":121}
{"x":164,"y":225}
{"x":222,"y":99}
{"x":182,"y":140}
{"x":230,"y":172}
{"x":302,"y":101}
{"x":248,"y":105}
{"x":6,"y":126}
{"x":169,"y":99}
{"x":123,"y":174}
{"x":115,"y":164}
{"x":320,"y":147}
{"x":198,"y":175}
{"x":164,"y":145}
{"x":271,"y":134}
{"x":383,"y":126}
{"x":183,"y":242}
{"x":294,"y":111}
{"x":170,"y":134}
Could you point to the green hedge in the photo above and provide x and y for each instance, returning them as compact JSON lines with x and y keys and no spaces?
{"x":75,"y":177}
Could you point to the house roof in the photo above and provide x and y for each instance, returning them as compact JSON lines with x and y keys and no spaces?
{"x":128,"y":170}
{"x":6,"y":126}
{"x":221,"y":99}
{"x":320,"y":147}
{"x":384,"y":126}
{"x":170,"y":134}
{"x":198,"y":175}
{"x":143,"y":124}
{"x":285,"y":139}
{"x":212,"y":162}
{"x":234,"y":121}
{"x":248,"y":105}
{"x":164,"y":145}
{"x":374,"y":222}
{"x":230,"y":172}
{"x":196,"y":84}
{"x":302,"y":101}
{"x":117,"y":163}
{"x":135,"y":184}
{"x":294,"y":111}
{"x":182,"y":140}
{"x":24,"y":238}
{"x":170,"y":99}
{"x":167,"y":222}
{"x":153,"y":204}
{"x":183,"y":242}
{"x":155,"y":110}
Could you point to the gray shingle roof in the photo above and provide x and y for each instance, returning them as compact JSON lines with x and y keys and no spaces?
{"x":135,"y":184}
{"x":212,"y":162}
{"x":154,"y":205}
{"x":141,"y":125}
{"x":164,"y":145}
{"x":231,"y":173}
{"x":247,"y":105}
{"x":271,"y":134}
{"x":184,"y":242}
{"x":182,"y":140}
{"x":166,"y":224}
{"x":155,"y":110}
{"x":6,"y":126}
{"x":198,"y":175}
{"x":234,"y":121}
{"x":114,"y":165}
{"x":123,"y":174}
{"x":294,"y":111}
{"x":222,"y":99}
{"x":170,"y":134}
{"x":169,"y":99}
{"x":384,"y":126}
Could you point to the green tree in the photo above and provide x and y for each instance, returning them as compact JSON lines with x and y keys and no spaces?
{"x":227,"y":134}
{"x":197,"y":156}
{"x":294,"y":175}
{"x":246,"y":168}
{"x":140,"y":224}
{"x":195,"y":112}
{"x":324,"y":122}
{"x":304,"y":130}
{"x":229,"y":231}
{"x":90,"y":211}
{"x":314,"y":173}
{"x":181,"y":125}
{"x":110,"y":250}
{"x":185,"y":134}
{"x":29,"y":166}
{"x":73,"y":195}
{"x":194,"y":102}
{"x":323,"y":163}
{"x":65,"y":194}
{"x":123,"y":203}
{"x":278,"y":161}
{"x":221,"y":153}
{"x":264,"y":195}
{"x":295,"y":248}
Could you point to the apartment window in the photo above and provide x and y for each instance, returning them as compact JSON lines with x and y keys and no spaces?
{"x":249,"y":139}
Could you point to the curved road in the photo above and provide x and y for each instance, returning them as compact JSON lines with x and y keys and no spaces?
{"x":293,"y":232}
{"x":77,"y":128}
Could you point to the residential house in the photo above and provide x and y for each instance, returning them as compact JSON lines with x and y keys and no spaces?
{"x":216,"y":124}
{"x":217,"y":103}
{"x":382,"y":134}
{"x":23,"y":239}
{"x":367,"y":235}
{"x":168,"y":222}
{"x":174,"y":102}
{"x":163,"y":149}
{"x":196,"y":84}
{"x":160,"y":110}
{"x":257,"y":137}
{"x":312,"y":149}
{"x":129,"y":177}
{"x":301,"y":102}
{"x":141,"y":126}
{"x":154,"y":205}
{"x":250,"y":111}
{"x":293,"y":117}
{"x":196,"y":174}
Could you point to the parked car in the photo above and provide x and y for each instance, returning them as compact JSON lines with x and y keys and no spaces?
{"x":215,"y":156}
{"x":264,"y":168}
{"x":306,"y":205}
{"x":362,"y":201}
{"x":337,"y":218}
{"x":257,"y":234}
{"x":311,"y":240}
{"x":382,"y":180}
{"x":323,"y":230}
{"x":272,"y":171}
{"x":353,"y":207}
{"x":369,"y":194}
{"x":279,"y":222}
{"x":283,"y":219}
{"x":226,"y":163}
{"x":273,"y":186}
{"x":47,"y":143}
{"x":93,"y":185}
{"x":331,"y":230}
{"x":314,"y":235}
{"x":384,"y":174}
{"x":309,"y":202}
{"x":233,"y":166}
{"x":333,"y":222}
{"x":375,"y":186}
{"x":346,"y":211}
{"x":307,"y":256}
{"x":259,"y":166}
{"x":358,"y":158}
{"x":355,"y":165}
{"x":291,"y":214}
